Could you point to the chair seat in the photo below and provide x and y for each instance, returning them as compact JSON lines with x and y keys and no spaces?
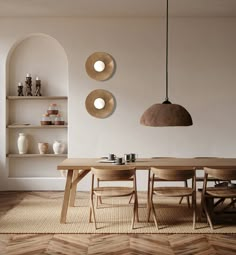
{"x":221,"y":192}
{"x":173,"y":191}
{"x":113,"y":191}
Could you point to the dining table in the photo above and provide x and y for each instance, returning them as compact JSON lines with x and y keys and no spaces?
{"x":78,"y":168}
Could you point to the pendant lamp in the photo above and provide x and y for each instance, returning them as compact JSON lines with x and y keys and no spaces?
{"x":166,"y":114}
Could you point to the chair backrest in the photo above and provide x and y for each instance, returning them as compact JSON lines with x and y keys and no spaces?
{"x":177,"y":174}
{"x":225,"y":174}
{"x":113,"y":174}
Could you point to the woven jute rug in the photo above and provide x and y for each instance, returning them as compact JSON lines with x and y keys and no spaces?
{"x":38,"y":214}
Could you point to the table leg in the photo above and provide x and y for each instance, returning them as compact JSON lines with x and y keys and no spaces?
{"x":73,"y":189}
{"x":148,"y":196}
{"x":66,"y":196}
{"x":77,"y":177}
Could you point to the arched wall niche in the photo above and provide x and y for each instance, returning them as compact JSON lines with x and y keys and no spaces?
{"x":40,"y":55}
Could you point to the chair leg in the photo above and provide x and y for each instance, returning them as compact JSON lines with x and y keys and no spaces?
{"x":154,"y":214}
{"x":133,"y":218}
{"x":188,"y":201}
{"x":93,"y":213}
{"x":90,"y":209}
{"x":149,"y":205}
{"x":135,"y":211}
{"x":149,"y":197}
{"x":130,"y":200}
{"x":194,"y":209}
{"x":186,"y":186}
{"x":181,"y":199}
{"x":150,"y":202}
{"x":148,"y":213}
{"x":96,"y":202}
{"x":201,"y":209}
{"x":208,"y":215}
{"x":136,"y":205}
{"x":148,"y":187}
{"x":98,"y":199}
{"x":90,"y":214}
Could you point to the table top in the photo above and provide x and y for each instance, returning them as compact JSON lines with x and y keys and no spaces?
{"x":146,"y":163}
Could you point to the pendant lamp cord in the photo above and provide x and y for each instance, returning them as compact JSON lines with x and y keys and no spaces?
{"x":167,"y":15}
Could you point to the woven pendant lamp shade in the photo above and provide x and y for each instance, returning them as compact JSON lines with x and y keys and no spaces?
{"x":163,"y":115}
{"x":166,"y":114}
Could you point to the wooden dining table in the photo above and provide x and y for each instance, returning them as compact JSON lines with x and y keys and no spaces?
{"x":78,"y":168}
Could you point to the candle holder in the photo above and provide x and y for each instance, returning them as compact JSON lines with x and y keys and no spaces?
{"x":28,"y":83}
{"x":20,"y":89}
{"x":37,"y":87}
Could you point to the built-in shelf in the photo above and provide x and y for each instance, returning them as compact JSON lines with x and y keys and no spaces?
{"x":23,"y":114}
{"x":35,"y":126}
{"x":35,"y":155}
{"x":37,"y":97}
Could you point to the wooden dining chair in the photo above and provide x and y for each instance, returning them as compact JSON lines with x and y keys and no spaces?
{"x":157,"y":179}
{"x":99,"y":199}
{"x":217,"y":182}
{"x":198,"y":179}
{"x":118,"y":174}
{"x":172,"y":175}
{"x":217,"y":192}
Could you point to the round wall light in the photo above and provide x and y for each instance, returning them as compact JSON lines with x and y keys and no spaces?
{"x":100,"y":66}
{"x":100,"y":103}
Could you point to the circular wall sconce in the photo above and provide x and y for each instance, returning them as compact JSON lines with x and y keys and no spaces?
{"x":100,"y":103}
{"x":100,"y":66}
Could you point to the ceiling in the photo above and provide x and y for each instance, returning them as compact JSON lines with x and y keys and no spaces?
{"x":116,"y":8}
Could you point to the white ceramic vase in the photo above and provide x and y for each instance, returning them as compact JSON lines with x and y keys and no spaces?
{"x":22,"y":143}
{"x":58,"y":147}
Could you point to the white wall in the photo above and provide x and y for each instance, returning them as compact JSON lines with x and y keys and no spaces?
{"x":202,"y":78}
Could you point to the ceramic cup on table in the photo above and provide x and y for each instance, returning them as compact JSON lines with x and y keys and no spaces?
{"x":127,"y":158}
{"x":111,"y":156}
{"x":119,"y":161}
{"x":133,"y":157}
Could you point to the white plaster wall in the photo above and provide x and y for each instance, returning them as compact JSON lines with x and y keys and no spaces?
{"x":202,"y":77}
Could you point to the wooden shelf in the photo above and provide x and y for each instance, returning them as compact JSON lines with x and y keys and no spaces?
{"x":35,"y":126}
{"x":37,"y":97}
{"x":35,"y":155}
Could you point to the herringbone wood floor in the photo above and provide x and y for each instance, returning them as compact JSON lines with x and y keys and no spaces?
{"x":73,"y":244}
